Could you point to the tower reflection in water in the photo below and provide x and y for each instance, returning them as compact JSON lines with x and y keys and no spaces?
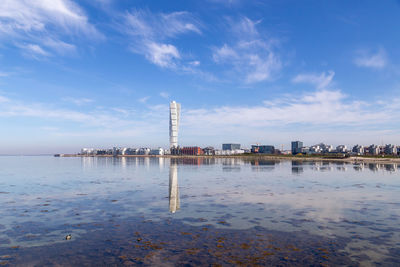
{"x":174,"y":202}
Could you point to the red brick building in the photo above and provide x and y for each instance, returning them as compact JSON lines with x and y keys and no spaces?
{"x":192,"y":150}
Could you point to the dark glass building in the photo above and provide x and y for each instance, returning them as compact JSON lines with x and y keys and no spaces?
{"x":296,"y":147}
{"x":262,"y":149}
{"x":230,"y":146}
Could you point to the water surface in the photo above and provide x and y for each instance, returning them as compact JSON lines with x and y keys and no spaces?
{"x":197,"y":211}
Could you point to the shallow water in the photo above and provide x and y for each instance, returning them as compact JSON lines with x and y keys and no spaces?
{"x":161,"y":211}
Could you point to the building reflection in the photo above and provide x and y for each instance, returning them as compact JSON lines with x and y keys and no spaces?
{"x":174,"y":202}
{"x":358,"y":166}
{"x":297,"y":167}
{"x":390,"y":167}
{"x":263,"y":165}
{"x":235,"y":164}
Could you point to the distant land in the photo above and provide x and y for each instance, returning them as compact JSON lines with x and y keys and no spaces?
{"x":349,"y":159}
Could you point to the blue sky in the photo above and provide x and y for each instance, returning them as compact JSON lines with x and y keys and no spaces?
{"x":100,"y":73}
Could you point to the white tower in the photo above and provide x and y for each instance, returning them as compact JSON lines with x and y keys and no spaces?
{"x":174,"y":115}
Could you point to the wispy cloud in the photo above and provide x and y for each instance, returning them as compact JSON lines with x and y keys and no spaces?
{"x":33,"y":50}
{"x":152,"y":34}
{"x":322,"y":108}
{"x":251,"y":54}
{"x":226,"y":2}
{"x":78,"y":101}
{"x":375,"y":60}
{"x":164,"y":95}
{"x":4,"y":99}
{"x":104,"y":118}
{"x":144,"y":99}
{"x":42,"y":24}
{"x":4,"y":74}
{"x":320,"y":81}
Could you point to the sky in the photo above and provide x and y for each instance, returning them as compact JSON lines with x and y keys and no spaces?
{"x":101,"y":73}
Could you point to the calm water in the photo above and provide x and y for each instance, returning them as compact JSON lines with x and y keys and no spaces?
{"x":156,"y":211}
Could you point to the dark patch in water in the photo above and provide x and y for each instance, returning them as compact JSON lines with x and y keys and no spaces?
{"x":173,"y":242}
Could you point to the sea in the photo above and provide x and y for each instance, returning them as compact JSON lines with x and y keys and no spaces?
{"x":156,"y":211}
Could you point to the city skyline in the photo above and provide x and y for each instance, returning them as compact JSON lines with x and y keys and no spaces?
{"x":101,"y":73}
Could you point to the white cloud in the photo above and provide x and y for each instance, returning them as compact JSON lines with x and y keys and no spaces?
{"x":150,"y":33}
{"x":328,"y":108}
{"x":144,"y":99}
{"x":164,"y":95}
{"x":251,"y":54}
{"x":59,"y":46}
{"x":224,"y":53}
{"x":78,"y":101}
{"x":376,"y":60}
{"x":3,"y":99}
{"x":194,"y":63}
{"x":103,"y":118}
{"x":44,"y":22}
{"x":34,"y":50}
{"x":163,"y":55}
{"x":225,"y":2}
{"x":320,"y":81}
{"x":4,"y":74}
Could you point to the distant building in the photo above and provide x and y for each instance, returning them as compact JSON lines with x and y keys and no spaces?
{"x":341,"y":149}
{"x":193,"y":150}
{"x":230,"y":146}
{"x":88,"y":151}
{"x":229,"y":152}
{"x":358,"y":150}
{"x":315,"y":149}
{"x":326,"y":148}
{"x":158,"y":151}
{"x":262,"y":149}
{"x":116,"y":151}
{"x":144,"y":151}
{"x":101,"y":152}
{"x":209,"y":151}
{"x":374,"y":150}
{"x":124,"y":150}
{"x":174,"y":116}
{"x":296,"y":147}
{"x":175,"y":151}
{"x":390,"y":150}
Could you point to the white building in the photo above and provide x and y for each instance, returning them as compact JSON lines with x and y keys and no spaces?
{"x":144,"y":151}
{"x":341,"y":149}
{"x":315,"y":149}
{"x":358,"y":150}
{"x":229,"y":152}
{"x":88,"y":151}
{"x":158,"y":151}
{"x":174,"y":116}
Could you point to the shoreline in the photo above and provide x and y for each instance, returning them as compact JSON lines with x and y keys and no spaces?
{"x":355,"y":159}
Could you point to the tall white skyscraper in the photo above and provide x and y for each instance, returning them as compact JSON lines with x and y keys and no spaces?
{"x":174,"y":115}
